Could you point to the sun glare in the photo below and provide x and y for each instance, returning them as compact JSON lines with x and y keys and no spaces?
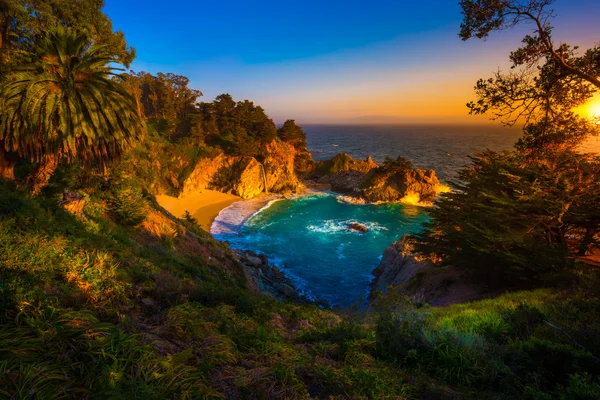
{"x":594,"y":109}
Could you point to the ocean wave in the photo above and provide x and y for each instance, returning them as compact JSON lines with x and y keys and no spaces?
{"x":231,"y":219}
{"x":332,"y":226}
{"x":302,"y":285}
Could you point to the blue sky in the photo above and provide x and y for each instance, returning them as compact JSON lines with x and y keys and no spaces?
{"x":329,"y":61}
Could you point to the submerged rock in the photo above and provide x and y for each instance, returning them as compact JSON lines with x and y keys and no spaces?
{"x":358,"y":227}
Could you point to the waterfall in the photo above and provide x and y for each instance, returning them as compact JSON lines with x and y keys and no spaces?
{"x":264,"y":174}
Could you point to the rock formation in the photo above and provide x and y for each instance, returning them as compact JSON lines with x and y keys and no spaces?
{"x":268,"y":279}
{"x":246,"y":176}
{"x":398,"y":266}
{"x":415,"y":186}
{"x":358,"y":227}
{"x":403,"y":271}
{"x":373,"y":183}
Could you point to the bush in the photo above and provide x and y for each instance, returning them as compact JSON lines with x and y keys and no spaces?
{"x":548,"y":363}
{"x":458,"y":357}
{"x":128,"y":206}
{"x":524,"y":321}
{"x":399,"y":337}
{"x":486,"y":323}
{"x":580,"y":387}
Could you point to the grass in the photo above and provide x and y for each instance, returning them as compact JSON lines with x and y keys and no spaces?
{"x":103,"y":308}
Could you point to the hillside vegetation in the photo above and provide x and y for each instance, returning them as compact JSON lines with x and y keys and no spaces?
{"x":103,"y":294}
{"x":96,"y":308}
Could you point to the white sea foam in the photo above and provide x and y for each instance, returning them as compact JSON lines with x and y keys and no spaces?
{"x":333,"y":226}
{"x":232,"y":218}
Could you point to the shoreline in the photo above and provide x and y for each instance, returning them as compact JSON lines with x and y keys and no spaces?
{"x":204,"y":205}
{"x":231,"y":218}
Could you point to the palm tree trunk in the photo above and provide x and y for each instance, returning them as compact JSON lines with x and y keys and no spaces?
{"x":43,"y":172}
{"x":7,"y":165}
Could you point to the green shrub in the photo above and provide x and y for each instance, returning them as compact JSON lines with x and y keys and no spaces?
{"x":399,"y":337}
{"x":548,"y":363}
{"x":486,"y":323}
{"x":580,"y":387}
{"x":128,"y":206}
{"x":524,"y":321}
{"x":458,"y":357}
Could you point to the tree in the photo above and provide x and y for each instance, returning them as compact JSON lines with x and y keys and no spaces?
{"x":292,"y":133}
{"x":64,"y":104}
{"x":240,"y":128}
{"x":546,"y":81}
{"x":23,"y":23}
{"x":511,"y":220}
{"x":517,"y":215}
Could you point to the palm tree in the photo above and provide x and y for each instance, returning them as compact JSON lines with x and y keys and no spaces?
{"x":67,"y":105}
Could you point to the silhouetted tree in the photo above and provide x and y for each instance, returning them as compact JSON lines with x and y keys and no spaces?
{"x":546,"y":80}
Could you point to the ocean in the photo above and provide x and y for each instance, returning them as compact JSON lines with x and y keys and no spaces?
{"x":308,"y":236}
{"x":443,"y":148}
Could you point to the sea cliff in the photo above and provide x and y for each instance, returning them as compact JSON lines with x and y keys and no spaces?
{"x":246,"y":176}
{"x":403,"y":271}
{"x":393,"y":181}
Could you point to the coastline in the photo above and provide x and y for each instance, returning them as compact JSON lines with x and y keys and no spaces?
{"x":204,"y":205}
{"x":231,"y":218}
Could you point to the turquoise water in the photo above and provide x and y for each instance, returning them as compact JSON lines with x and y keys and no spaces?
{"x":308,"y":238}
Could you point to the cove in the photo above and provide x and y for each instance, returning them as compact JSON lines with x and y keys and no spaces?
{"x":308,"y":238}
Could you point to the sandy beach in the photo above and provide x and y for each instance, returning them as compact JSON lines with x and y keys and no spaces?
{"x":204,"y":206}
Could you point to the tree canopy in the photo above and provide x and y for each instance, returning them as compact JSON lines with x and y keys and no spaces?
{"x":519,"y":215}
{"x":547,"y":78}
{"x":23,"y":23}
{"x":65,"y":104}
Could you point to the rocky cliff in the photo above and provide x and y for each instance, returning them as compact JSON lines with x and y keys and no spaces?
{"x":403,"y":271}
{"x":374,"y":183}
{"x":246,"y":176}
{"x":264,"y":278}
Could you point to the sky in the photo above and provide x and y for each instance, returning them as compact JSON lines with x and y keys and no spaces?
{"x":332,"y":61}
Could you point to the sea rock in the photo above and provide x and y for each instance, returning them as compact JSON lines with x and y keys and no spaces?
{"x":372,"y":183}
{"x":403,"y":271}
{"x":342,"y":163}
{"x":268,"y":279}
{"x":415,"y":186}
{"x":358,"y":227}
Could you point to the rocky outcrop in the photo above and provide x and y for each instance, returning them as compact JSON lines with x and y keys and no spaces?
{"x":246,"y":176}
{"x":279,"y":163}
{"x":268,"y":279}
{"x":342,"y":163}
{"x":413,"y":186}
{"x":405,"y":272}
{"x":372,"y":183}
{"x":398,"y":266}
